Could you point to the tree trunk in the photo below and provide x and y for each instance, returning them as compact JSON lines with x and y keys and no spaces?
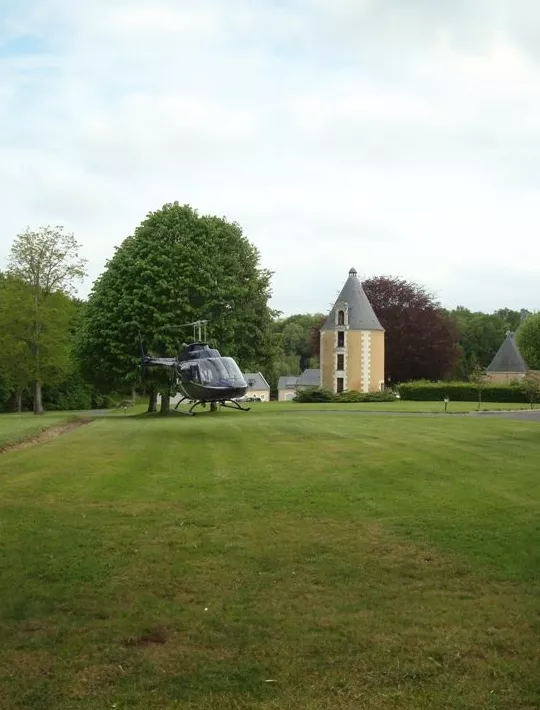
{"x":38,"y":404}
{"x":18,"y":400}
{"x":213,"y":406}
{"x":152,"y":400}
{"x":165,"y":404}
{"x":133,"y":395}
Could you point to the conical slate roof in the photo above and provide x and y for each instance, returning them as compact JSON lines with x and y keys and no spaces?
{"x":508,"y":357}
{"x":361,"y":314}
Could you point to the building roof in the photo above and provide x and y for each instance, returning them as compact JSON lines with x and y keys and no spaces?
{"x":361,"y":314}
{"x":309,"y":378}
{"x":508,"y":358}
{"x":287,"y":383}
{"x":256,"y":381}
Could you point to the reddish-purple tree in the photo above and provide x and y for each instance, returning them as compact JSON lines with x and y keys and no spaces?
{"x":421,"y":340}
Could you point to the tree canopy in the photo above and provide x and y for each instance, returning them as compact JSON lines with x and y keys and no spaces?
{"x":481,"y":335}
{"x":421,"y":340}
{"x":36,"y":311}
{"x":176,"y":268}
{"x":47,"y":260}
{"x":528,"y":340}
{"x":296,"y":348}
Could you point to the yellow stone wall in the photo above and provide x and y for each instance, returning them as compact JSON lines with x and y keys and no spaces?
{"x":504,"y":378}
{"x":327,"y":358}
{"x":354,"y":360}
{"x":377,"y":360}
{"x":355,"y":341}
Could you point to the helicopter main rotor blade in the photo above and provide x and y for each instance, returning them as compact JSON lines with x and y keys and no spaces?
{"x":159,"y":361}
{"x":188,"y":325}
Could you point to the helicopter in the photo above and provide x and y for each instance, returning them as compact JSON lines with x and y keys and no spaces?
{"x":200,"y":373}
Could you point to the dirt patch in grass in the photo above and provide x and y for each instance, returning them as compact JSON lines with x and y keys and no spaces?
{"x":49,"y":434}
{"x":147,"y":639}
{"x":29,"y":664}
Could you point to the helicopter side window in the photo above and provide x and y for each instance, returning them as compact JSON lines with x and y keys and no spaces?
{"x":194,"y":373}
{"x":206,"y":372}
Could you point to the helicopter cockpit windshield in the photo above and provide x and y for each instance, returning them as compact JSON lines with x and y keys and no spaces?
{"x":216,"y":372}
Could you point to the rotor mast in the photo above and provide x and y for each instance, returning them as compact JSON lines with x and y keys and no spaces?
{"x":199,"y":330}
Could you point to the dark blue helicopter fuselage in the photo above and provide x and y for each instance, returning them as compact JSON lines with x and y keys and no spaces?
{"x":202,"y":374}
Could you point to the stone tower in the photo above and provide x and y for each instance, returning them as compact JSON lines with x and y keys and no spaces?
{"x":352,"y":343}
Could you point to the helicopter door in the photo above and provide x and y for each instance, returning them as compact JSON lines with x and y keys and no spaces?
{"x":190,"y":372}
{"x":205,"y":372}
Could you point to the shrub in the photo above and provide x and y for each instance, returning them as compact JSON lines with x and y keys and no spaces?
{"x":531,"y":387}
{"x":324,"y":395}
{"x":314,"y":394}
{"x":461,"y":392}
{"x":353,"y":396}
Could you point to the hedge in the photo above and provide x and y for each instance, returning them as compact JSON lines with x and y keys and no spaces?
{"x":324,"y":395}
{"x":353,"y":396}
{"x":461,"y":392}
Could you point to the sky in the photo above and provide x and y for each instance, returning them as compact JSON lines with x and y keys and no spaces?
{"x":401,"y":137}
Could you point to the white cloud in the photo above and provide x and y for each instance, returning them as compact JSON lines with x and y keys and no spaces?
{"x":402,"y":138}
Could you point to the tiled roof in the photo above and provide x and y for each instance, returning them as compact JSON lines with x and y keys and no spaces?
{"x":287,"y":383}
{"x":256,"y":381}
{"x":361,"y":314}
{"x":508,"y":358}
{"x":309,"y":378}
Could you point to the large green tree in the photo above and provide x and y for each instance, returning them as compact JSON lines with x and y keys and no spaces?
{"x":176,"y":268}
{"x":295,"y":347}
{"x":15,"y":336}
{"x":481,"y":335}
{"x":46,"y":263}
{"x":528,"y":340}
{"x":35,"y":343}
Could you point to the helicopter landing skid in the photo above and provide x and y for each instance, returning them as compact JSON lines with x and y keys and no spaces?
{"x":235,"y":405}
{"x":187,"y":414}
{"x":201,"y":403}
{"x":180,"y":402}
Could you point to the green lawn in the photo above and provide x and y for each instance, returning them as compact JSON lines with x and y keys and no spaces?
{"x":17,"y":427}
{"x":355,"y":562}
{"x":398,"y":406}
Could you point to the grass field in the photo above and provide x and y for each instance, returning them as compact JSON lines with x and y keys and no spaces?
{"x":398,"y":406}
{"x":297,"y":561}
{"x":395,"y":407}
{"x":18,"y":427}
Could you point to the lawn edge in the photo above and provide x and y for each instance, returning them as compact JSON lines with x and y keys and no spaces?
{"x":44,"y":433}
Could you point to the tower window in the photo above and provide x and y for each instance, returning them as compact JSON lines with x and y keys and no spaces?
{"x":339,"y":384}
{"x":341,"y":317}
{"x":341,"y":339}
{"x":340,"y":362}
